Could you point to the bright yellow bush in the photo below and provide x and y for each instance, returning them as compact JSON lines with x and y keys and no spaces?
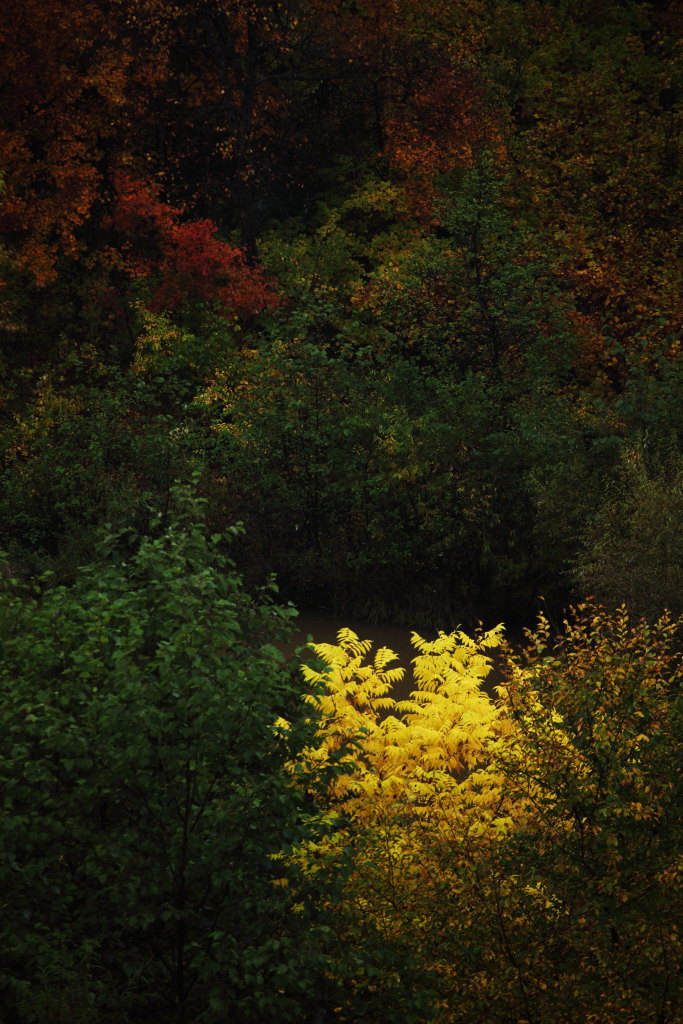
{"x":520,"y":843}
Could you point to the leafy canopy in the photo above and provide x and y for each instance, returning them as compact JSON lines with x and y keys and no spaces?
{"x":146,"y":718}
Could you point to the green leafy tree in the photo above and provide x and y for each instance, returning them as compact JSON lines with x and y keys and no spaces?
{"x":146,"y":721}
{"x":480,"y":291}
{"x":633,"y":546}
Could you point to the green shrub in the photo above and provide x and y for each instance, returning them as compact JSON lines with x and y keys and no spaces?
{"x":145,"y":721}
{"x":633,"y":550}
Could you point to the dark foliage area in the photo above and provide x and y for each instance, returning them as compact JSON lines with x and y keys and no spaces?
{"x":394,"y":288}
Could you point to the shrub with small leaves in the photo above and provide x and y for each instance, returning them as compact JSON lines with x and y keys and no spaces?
{"x":146,"y":716}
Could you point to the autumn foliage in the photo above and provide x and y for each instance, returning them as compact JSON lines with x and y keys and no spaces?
{"x":185,"y":259}
{"x":523,"y":839}
{"x":396,"y":285}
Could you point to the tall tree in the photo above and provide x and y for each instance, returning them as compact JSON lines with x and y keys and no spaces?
{"x":147,"y":720}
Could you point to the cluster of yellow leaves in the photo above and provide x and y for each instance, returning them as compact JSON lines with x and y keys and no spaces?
{"x":507,"y":834}
{"x":419,"y":769}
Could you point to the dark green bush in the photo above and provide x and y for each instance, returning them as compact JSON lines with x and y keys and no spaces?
{"x":147,"y":805}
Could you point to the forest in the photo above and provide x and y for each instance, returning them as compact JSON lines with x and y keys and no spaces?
{"x":375,"y":307}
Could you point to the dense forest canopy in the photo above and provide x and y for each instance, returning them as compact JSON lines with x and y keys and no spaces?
{"x":385,"y":298}
{"x":400,"y":280}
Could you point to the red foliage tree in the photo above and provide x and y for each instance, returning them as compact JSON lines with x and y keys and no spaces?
{"x":186,"y":259}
